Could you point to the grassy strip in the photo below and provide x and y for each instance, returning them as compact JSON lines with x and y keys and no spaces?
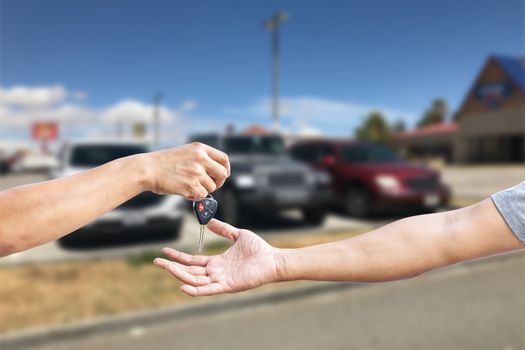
{"x":62,"y":293}
{"x":69,"y":291}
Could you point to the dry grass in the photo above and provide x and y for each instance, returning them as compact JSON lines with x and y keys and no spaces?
{"x":62,"y":293}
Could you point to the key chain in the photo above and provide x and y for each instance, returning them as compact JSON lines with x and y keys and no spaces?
{"x":204,"y":211}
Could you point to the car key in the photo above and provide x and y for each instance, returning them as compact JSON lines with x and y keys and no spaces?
{"x":204,"y":211}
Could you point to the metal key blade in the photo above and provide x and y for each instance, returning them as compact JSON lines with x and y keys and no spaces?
{"x":201,"y":239}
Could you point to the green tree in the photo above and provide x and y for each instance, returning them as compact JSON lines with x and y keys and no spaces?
{"x":399,"y":126}
{"x":374,"y":128}
{"x":435,"y":114}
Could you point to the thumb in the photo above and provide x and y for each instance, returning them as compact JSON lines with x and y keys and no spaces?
{"x":223,"y":229}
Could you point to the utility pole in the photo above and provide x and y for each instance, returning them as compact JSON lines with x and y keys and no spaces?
{"x":156,"y":120}
{"x":273,"y":26}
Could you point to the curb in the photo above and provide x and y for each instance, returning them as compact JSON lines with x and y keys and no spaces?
{"x":57,"y":334}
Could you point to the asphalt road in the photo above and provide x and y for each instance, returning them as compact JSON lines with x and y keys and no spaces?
{"x":477,"y":305}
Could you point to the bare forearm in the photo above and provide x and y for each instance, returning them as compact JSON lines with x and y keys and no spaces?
{"x":38,"y":213}
{"x":404,"y":248}
{"x":390,"y":252}
{"x":35,"y":214}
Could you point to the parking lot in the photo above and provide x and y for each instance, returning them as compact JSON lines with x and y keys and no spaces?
{"x":467,"y":183}
{"x":122,"y":245}
{"x":453,"y":287}
{"x":477,"y":182}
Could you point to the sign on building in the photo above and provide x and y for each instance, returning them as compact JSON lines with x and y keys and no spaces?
{"x":44,"y":131}
{"x":493,"y":94}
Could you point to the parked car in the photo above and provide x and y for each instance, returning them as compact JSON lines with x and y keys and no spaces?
{"x":265,"y":179}
{"x":33,"y":162}
{"x":369,"y":178}
{"x":148,"y":210}
{"x":5,"y":166}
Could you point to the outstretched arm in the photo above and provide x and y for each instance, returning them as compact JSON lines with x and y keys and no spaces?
{"x":403,"y":249}
{"x":34,"y":214}
{"x":407,"y":247}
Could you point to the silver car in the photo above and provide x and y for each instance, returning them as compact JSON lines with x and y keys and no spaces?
{"x":152,"y":212}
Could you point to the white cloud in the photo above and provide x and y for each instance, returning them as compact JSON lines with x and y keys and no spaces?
{"x":136,"y":111}
{"x":302,"y":128}
{"x":20,"y":107}
{"x":79,"y":95}
{"x":69,"y":113}
{"x":28,"y":97}
{"x":302,"y":115}
{"x":66,"y":114}
{"x":131,"y":111}
{"x":188,"y":106}
{"x":312,"y":109}
{"x":306,"y":114}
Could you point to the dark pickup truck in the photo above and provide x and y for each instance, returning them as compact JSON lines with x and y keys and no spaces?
{"x":264,"y":179}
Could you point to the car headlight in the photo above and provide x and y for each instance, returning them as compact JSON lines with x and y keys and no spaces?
{"x":387,"y":182}
{"x":245,"y":181}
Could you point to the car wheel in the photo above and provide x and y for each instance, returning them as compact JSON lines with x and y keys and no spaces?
{"x":357,"y":202}
{"x":314,"y":216}
{"x":228,"y":210}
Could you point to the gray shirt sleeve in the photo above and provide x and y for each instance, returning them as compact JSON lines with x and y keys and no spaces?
{"x":511,"y":205}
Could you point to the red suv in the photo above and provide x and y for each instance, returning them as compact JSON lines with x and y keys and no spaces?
{"x":368,"y":178}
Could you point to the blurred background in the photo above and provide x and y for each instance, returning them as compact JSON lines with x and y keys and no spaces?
{"x":338,"y":117}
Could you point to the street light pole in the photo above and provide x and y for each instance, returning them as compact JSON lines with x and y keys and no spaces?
{"x":156,"y":120}
{"x":273,"y":26}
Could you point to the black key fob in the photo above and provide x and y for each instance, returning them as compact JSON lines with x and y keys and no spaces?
{"x":205,"y":209}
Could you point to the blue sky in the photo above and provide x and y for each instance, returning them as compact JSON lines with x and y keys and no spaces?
{"x":211,"y":59}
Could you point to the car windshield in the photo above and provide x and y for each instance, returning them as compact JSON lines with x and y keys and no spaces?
{"x":95,"y":155}
{"x":360,"y":153}
{"x":254,"y":145}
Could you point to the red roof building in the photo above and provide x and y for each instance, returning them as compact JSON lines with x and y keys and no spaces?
{"x":256,"y":130}
{"x":489,"y":125}
{"x":431,"y":130}
{"x":429,"y":142}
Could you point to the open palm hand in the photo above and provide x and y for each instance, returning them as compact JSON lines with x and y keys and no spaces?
{"x":249,"y":263}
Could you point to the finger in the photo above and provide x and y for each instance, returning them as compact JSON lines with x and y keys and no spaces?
{"x":186,"y":259}
{"x":208,"y":183}
{"x":197,"y":193}
{"x":209,"y":289}
{"x":197,"y":270}
{"x":223,"y":229}
{"x":180,"y":272}
{"x":216,"y":171}
{"x":184,"y":276}
{"x":219,"y":156}
{"x":194,"y":270}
